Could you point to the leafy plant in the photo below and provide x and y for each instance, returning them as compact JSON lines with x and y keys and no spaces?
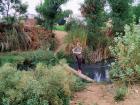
{"x":120,"y":94}
{"x":73,"y":24}
{"x":93,"y":11}
{"x":77,"y":34}
{"x":126,"y":68}
{"x":121,"y":15}
{"x":6,"y":6}
{"x":136,"y":11}
{"x":49,"y":11}
{"x":46,"y":57}
{"x":78,"y":84}
{"x":40,"y":87}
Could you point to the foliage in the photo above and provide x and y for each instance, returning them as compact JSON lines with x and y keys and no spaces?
{"x":60,"y":18}
{"x":59,"y":28}
{"x":67,"y":13}
{"x":93,"y":10}
{"x":6,"y":6}
{"x":126,"y":68}
{"x":51,"y":43}
{"x":16,"y":38}
{"x":87,"y":55}
{"x":121,"y":15}
{"x":63,"y":55}
{"x":40,"y":87}
{"x":73,"y":24}
{"x":136,"y":11}
{"x":78,"y":84}
{"x":120,"y":93}
{"x":76,"y":35}
{"x":46,"y":57}
{"x":49,"y":10}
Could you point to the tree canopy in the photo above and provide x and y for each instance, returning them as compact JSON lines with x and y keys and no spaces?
{"x":49,"y":10}
{"x":136,"y":11}
{"x":10,"y":9}
{"x":93,"y":11}
{"x":121,"y":15}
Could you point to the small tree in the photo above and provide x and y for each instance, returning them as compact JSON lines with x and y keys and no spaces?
{"x":11,"y":8}
{"x":136,"y":11}
{"x":93,"y":10}
{"x":121,"y":15}
{"x":48,"y":11}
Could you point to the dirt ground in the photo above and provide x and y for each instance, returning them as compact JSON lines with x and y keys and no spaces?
{"x":100,"y":94}
{"x":60,"y":35}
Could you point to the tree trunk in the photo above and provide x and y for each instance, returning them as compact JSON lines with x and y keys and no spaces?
{"x":80,"y":75}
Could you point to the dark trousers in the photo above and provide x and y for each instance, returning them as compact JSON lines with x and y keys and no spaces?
{"x":79,"y":62}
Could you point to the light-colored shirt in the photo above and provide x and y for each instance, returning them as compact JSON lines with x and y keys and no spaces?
{"x":77,"y":50}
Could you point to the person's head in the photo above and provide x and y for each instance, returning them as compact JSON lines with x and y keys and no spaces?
{"x":78,"y":44}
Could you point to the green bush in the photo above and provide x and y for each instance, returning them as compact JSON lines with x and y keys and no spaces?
{"x":73,"y":24}
{"x":78,"y":84}
{"x":40,"y":87}
{"x":40,"y":55}
{"x":120,"y":94}
{"x":126,"y":50}
{"x":61,"y":55}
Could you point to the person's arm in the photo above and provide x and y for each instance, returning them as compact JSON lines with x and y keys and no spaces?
{"x":73,"y":51}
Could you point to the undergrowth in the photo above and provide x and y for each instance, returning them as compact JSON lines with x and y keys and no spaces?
{"x":43,"y":86}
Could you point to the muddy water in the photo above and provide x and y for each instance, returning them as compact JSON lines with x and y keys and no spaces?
{"x":98,"y":71}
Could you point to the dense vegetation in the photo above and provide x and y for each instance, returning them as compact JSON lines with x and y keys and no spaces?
{"x":136,"y":10}
{"x":19,"y":8}
{"x":37,"y":76}
{"x":121,"y":15}
{"x":42,"y":86}
{"x":49,"y":11}
{"x":126,"y":50}
{"x":93,"y":10}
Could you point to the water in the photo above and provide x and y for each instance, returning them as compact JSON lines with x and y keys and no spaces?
{"x":99,"y":71}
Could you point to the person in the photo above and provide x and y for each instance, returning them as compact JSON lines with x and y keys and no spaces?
{"x":77,"y":51}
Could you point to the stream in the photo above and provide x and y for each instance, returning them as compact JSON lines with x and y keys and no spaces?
{"x":98,"y":71}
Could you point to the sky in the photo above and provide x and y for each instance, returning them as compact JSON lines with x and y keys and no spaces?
{"x":73,"y":5}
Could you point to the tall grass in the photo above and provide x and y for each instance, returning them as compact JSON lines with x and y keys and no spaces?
{"x":74,"y":36}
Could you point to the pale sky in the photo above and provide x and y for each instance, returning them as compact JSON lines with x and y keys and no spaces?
{"x":73,"y":5}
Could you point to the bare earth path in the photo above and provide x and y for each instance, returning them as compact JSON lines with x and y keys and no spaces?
{"x":99,"y":94}
{"x":60,"y":35}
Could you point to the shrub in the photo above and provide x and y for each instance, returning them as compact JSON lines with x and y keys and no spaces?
{"x":62,"y":55}
{"x":72,"y":24}
{"x":40,"y":87}
{"x":120,"y":93}
{"x":126,"y":49}
{"x":40,"y":55}
{"x":93,"y":11}
{"x":78,"y":84}
{"x":121,"y":14}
